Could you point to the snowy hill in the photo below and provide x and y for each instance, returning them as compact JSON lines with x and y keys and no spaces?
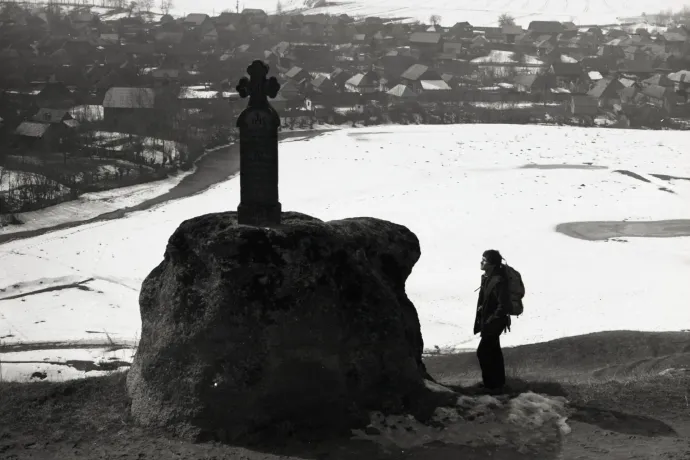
{"x":452,"y":11}
{"x":461,"y":188}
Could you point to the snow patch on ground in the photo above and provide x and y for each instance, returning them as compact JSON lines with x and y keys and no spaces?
{"x":521,"y":422}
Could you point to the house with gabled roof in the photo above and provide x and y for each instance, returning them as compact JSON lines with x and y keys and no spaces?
{"x":606,"y":91}
{"x":129,"y":109}
{"x":210,"y":35}
{"x":46,"y":129}
{"x":322,"y":84}
{"x":226,"y":18}
{"x":659,"y":79}
{"x":401,"y":95}
{"x":428,"y":43}
{"x":297,"y":74}
{"x":196,"y":20}
{"x":35,"y":135}
{"x":254,"y":16}
{"x":660,"y":96}
{"x":545,"y":27}
{"x":533,"y":83}
{"x":568,"y":73}
{"x":339,"y":77}
{"x":416,"y":74}
{"x":364,"y":83}
{"x":511,"y":32}
{"x":461,"y":29}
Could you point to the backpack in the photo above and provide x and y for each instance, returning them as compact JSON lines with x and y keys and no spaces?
{"x":517,"y":289}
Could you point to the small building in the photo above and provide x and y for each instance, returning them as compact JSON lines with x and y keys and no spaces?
{"x":428,"y":43}
{"x":545,"y":27}
{"x":606,"y":92}
{"x":584,"y":105}
{"x":254,"y":15}
{"x":661,"y":96}
{"x":569,"y":75}
{"x":533,"y":83}
{"x":415,"y":74}
{"x":401,"y":94}
{"x":659,"y":80}
{"x":196,"y":20}
{"x":340,"y":77}
{"x":298,"y":75}
{"x":210,"y":36}
{"x":291,"y":90}
{"x":363,"y":83}
{"x":511,"y":32}
{"x":129,"y":108}
{"x":44,"y":137}
{"x":323,"y":84}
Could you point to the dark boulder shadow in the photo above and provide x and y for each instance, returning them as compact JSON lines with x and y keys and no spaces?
{"x":621,"y":422}
{"x":314,"y":445}
{"x":441,"y":451}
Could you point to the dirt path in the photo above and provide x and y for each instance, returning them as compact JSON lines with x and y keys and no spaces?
{"x":213,"y":168}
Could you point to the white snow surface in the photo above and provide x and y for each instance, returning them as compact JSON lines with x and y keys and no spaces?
{"x":452,"y":11}
{"x":459,"y":188}
{"x":485,"y":420}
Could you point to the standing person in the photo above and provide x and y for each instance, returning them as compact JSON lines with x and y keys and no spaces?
{"x":492,"y":318}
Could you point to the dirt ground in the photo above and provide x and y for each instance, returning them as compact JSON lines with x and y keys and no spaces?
{"x":637,"y":415}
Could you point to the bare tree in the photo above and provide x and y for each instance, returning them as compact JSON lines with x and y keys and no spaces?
{"x":435,"y":19}
{"x":166,"y":6}
{"x":506,"y":20}
{"x":144,"y":6}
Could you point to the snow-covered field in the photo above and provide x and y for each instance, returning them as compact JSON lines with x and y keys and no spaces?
{"x":452,"y":11}
{"x":461,"y":188}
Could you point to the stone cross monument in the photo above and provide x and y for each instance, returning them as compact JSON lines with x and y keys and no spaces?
{"x":258,"y":125}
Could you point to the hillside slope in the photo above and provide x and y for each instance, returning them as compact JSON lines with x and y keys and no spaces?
{"x":645,"y":416}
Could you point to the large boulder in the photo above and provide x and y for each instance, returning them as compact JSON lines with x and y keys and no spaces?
{"x":304,"y":325}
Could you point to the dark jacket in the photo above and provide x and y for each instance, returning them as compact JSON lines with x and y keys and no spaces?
{"x":493,"y":304}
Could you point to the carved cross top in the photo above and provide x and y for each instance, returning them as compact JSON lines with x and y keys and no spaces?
{"x":258,"y":87}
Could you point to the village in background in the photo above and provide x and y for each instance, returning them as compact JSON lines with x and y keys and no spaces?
{"x":95,"y":97}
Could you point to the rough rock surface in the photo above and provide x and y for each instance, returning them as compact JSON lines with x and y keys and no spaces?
{"x":305,"y":325}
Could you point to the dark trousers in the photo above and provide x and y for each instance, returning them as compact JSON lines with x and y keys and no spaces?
{"x":491,"y":361}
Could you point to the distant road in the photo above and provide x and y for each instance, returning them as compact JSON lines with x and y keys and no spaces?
{"x":211,"y":169}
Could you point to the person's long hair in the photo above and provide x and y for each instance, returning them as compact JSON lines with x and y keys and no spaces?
{"x":495,"y":259}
